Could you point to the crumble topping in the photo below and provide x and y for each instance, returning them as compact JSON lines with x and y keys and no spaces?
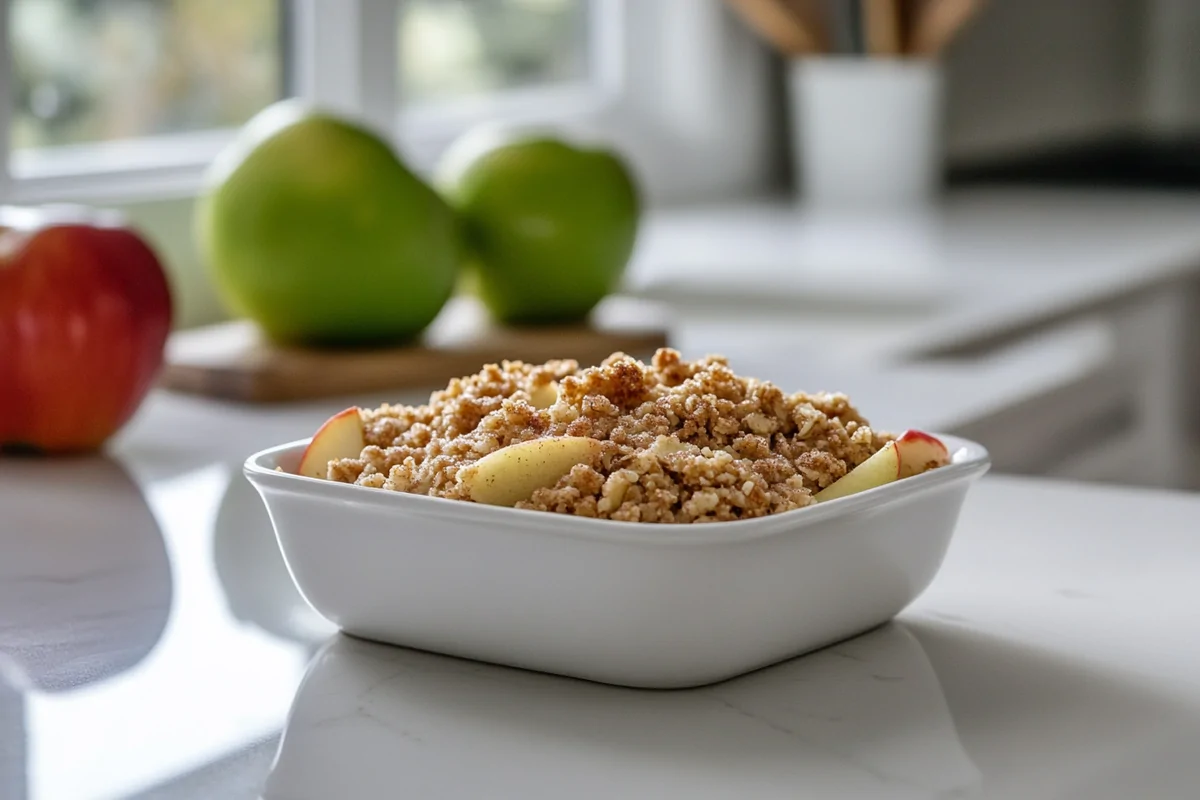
{"x":682,"y":441}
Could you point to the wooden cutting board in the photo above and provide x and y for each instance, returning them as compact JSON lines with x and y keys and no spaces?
{"x":232,"y":360}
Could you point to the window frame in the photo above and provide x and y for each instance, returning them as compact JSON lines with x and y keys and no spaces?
{"x":666,"y":105}
{"x":6,"y":104}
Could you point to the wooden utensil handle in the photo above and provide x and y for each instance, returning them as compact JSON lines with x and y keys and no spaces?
{"x":775,"y":22}
{"x":938,"y":21}
{"x":882,"y":27}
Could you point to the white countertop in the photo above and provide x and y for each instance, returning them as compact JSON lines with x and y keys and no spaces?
{"x":151,"y":641}
{"x":153,"y":645}
{"x":988,"y":261}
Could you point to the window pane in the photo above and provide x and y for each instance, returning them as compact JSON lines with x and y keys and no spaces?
{"x":456,"y":48}
{"x":97,"y":70}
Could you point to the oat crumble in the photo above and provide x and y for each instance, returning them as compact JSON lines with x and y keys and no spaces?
{"x":682,"y":441}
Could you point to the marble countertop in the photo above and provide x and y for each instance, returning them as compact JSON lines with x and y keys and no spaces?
{"x":153,"y":645}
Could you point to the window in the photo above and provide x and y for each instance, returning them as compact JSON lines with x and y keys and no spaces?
{"x":450,"y":49}
{"x":109,"y":99}
{"x":101,"y":70}
{"x":115,"y":100}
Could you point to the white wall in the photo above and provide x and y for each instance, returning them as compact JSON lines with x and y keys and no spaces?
{"x":167,"y":225}
{"x":1037,"y":72}
{"x":1171,"y":102}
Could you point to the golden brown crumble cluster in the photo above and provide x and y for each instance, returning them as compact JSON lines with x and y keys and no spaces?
{"x":683,"y":441}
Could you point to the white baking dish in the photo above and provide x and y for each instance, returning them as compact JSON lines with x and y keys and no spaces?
{"x":626,"y":603}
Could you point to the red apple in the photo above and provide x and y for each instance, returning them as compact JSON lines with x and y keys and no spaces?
{"x":85,"y":310}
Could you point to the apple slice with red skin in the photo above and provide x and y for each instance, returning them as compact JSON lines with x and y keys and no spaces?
{"x":920,"y":452}
{"x":341,"y":436}
{"x":912,"y":453}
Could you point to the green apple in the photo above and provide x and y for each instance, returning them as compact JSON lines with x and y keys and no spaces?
{"x":550,"y":226}
{"x":315,"y":229}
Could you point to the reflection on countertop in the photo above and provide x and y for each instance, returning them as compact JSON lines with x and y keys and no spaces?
{"x":923,"y":707}
{"x":252,"y":572}
{"x":86,"y":585}
{"x":123,"y":669}
{"x":865,"y":718}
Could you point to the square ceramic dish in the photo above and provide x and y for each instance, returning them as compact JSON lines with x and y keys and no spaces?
{"x":633,"y":604}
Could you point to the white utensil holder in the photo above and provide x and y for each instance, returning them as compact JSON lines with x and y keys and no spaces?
{"x":866,"y":132}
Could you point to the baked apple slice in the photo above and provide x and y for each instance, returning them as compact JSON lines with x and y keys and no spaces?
{"x":881,"y":468}
{"x":511,"y":474}
{"x":912,"y":453}
{"x":544,"y":396}
{"x":920,"y":452}
{"x":341,"y":436}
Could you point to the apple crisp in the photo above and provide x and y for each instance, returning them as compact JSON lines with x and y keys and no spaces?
{"x":680,"y":441}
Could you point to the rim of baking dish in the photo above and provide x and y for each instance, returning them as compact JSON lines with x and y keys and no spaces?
{"x":969,"y":460}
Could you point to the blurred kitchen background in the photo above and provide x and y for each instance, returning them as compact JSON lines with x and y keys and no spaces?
{"x":1044,"y":298}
